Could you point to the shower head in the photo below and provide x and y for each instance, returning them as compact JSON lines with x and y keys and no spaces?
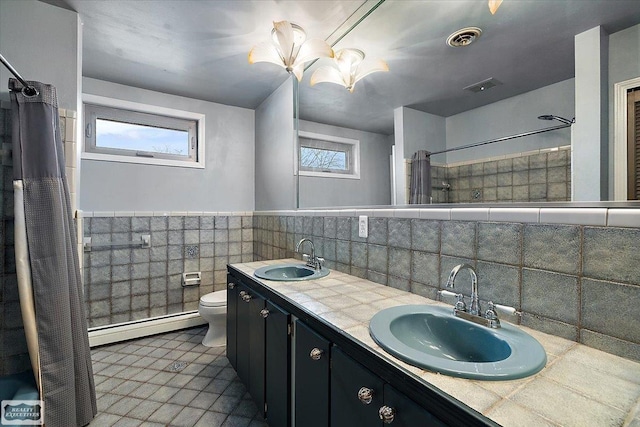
{"x":560,"y":119}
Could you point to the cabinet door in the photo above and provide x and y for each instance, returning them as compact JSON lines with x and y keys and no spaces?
{"x":278,"y":358}
{"x":232,"y":313}
{"x":242,"y":341}
{"x":356,"y":393}
{"x":311,"y":377}
{"x":257,"y":350}
{"x":407,"y":413}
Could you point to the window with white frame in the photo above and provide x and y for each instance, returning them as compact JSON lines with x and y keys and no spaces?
{"x":328,"y":156}
{"x":128,"y":132}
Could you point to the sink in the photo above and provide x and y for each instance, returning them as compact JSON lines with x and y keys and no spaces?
{"x":290,"y":272}
{"x":431,"y":337}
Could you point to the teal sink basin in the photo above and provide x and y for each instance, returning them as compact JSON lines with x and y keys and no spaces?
{"x":290,"y":272}
{"x":431,"y":337}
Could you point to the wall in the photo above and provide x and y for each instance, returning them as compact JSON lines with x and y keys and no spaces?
{"x":226,"y":184}
{"x":374,"y":185}
{"x":42,"y":43}
{"x":572,"y":272}
{"x":590,"y":133}
{"x":275,"y":184}
{"x":124,"y":283}
{"x":510,"y":117}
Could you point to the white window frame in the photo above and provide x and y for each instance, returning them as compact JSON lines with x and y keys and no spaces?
{"x":355,"y":154}
{"x":102,"y":101}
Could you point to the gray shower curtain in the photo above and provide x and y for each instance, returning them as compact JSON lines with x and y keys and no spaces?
{"x":420,"y":183}
{"x":47,"y":261}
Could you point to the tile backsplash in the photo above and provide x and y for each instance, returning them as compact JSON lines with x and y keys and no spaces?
{"x":580,"y":282}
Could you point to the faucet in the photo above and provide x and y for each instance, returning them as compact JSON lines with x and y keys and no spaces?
{"x":475,"y":303}
{"x":312,"y":260}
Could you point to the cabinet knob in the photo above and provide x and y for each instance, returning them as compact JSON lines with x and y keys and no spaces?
{"x":387,"y":414}
{"x":316,"y":354}
{"x":264,"y":313}
{"x":231,"y":285}
{"x":246,"y":297}
{"x":242,"y":294}
{"x":365,"y":395}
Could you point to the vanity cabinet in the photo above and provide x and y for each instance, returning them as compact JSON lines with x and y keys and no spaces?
{"x":312,"y":356}
{"x":336,"y":381}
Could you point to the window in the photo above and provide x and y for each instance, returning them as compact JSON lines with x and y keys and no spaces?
{"x":328,"y":156}
{"x":142,"y":134}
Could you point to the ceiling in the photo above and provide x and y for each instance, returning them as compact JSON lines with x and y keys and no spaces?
{"x":198,"y":49}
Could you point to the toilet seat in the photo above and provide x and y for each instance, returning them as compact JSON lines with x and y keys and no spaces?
{"x":214,"y":299}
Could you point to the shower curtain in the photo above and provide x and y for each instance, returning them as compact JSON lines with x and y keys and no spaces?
{"x":420,"y":183}
{"x":47,"y":261}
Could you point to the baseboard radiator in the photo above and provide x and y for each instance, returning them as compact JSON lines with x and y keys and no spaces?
{"x":110,"y":334}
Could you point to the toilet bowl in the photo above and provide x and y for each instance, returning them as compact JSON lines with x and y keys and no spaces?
{"x":213,"y":309}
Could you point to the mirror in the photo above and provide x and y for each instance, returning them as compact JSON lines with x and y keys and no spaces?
{"x":527,"y":62}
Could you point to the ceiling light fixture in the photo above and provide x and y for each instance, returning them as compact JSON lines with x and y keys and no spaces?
{"x":289,"y":48}
{"x":494,"y":5}
{"x":348,"y":68}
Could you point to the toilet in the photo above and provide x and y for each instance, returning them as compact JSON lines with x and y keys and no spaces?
{"x":213,"y":309}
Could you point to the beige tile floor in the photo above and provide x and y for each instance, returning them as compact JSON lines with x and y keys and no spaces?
{"x":169,"y":380}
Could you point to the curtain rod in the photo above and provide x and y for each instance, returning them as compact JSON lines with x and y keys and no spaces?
{"x":505,"y":138}
{"x":27,"y":90}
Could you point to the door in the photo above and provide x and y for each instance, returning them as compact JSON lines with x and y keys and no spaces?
{"x":278,"y":359}
{"x":257,"y":349}
{"x":232,"y":312}
{"x":404,"y":412}
{"x":633,"y":144}
{"x":356,"y":393}
{"x":312,"y":377}
{"x":242,"y":341}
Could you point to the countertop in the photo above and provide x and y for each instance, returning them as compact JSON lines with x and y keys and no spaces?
{"x":580,"y":386}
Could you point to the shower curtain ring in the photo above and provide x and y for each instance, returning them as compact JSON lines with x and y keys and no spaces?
{"x":30,"y":91}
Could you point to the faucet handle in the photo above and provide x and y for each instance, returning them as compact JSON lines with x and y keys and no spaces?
{"x":460,"y":304}
{"x":491,"y":314}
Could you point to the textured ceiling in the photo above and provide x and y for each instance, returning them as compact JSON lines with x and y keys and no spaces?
{"x":199,"y":49}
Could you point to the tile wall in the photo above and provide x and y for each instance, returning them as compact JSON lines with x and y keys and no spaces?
{"x":536,"y":176}
{"x":123,"y":283}
{"x":579,"y":282}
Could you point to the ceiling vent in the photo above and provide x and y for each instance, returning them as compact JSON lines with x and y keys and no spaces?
{"x":483,"y":85}
{"x":464,"y":37}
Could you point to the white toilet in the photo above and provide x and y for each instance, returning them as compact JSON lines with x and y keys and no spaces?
{"x":213,"y":309}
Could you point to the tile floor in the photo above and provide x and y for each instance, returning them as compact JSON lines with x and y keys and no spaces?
{"x":169,"y":380}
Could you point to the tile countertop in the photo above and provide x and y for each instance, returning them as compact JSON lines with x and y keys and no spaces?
{"x":580,"y":386}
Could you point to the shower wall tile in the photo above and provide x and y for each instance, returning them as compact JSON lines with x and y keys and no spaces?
{"x":125,"y":284}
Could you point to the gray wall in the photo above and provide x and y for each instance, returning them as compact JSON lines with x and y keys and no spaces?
{"x":274,"y":143}
{"x":373,"y":187}
{"x":42,"y":43}
{"x":590,"y":148}
{"x":226,"y":184}
{"x":512,"y":116}
{"x":624,"y":64}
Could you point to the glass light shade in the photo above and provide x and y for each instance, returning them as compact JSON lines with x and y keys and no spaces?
{"x":494,"y":5}
{"x":349,"y":67}
{"x":289,"y":48}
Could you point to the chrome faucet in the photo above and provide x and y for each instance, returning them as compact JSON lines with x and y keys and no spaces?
{"x":311,"y":259}
{"x":475,"y":303}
